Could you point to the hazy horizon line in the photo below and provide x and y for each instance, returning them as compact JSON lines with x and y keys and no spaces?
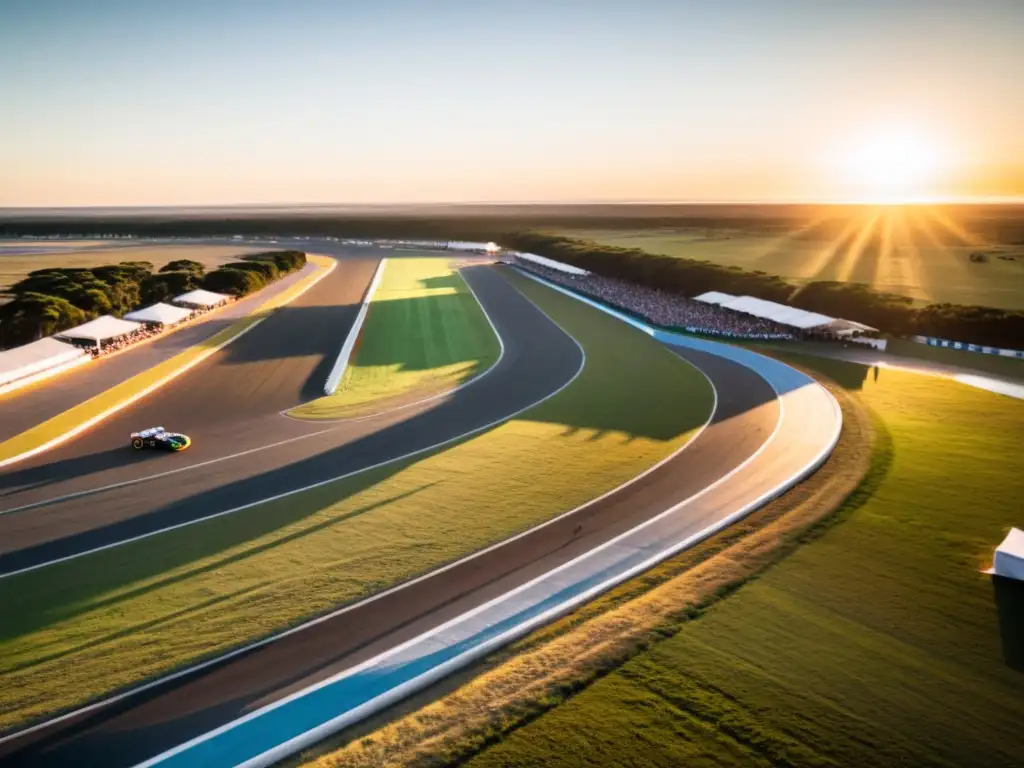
{"x":965,"y":200}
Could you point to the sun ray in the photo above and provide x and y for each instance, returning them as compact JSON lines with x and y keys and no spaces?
{"x":887,"y":267}
{"x":967,"y":238}
{"x":923,"y":224}
{"x":827,"y":256}
{"x":786,"y":241}
{"x":858,"y":248}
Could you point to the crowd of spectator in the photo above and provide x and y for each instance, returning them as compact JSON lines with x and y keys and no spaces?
{"x":147,"y":331}
{"x":121,"y":342}
{"x":659,"y":307}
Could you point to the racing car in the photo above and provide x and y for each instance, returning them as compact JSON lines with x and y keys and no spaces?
{"x":161,"y":439}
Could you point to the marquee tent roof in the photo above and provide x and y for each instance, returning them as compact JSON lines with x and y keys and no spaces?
{"x":100,"y":329}
{"x":782,"y":314}
{"x":36,"y":356}
{"x":161,"y":314}
{"x":551,"y":264}
{"x":715,"y":297}
{"x":1009,"y":559}
{"x":201,"y":298}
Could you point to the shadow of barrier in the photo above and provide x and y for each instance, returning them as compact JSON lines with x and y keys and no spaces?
{"x":1009,"y":597}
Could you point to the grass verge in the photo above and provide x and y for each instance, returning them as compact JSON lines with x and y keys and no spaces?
{"x":425,"y":333}
{"x":99,"y":406}
{"x":80,"y":629}
{"x":878,"y":643}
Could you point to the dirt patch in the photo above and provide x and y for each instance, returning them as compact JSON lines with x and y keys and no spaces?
{"x":452,"y":721}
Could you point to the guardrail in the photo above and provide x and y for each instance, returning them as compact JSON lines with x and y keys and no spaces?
{"x":338,"y":370}
{"x":931,"y":341}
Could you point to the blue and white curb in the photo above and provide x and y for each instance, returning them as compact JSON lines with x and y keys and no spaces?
{"x":931,"y":341}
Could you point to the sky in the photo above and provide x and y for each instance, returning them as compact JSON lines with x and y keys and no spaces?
{"x":135,"y":102}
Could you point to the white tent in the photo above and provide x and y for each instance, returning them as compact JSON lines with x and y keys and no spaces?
{"x":34,"y":357}
{"x":783,"y":314}
{"x":101,"y":329}
{"x":159,"y":314}
{"x":714,"y":297}
{"x":201,"y":298}
{"x":551,"y":264}
{"x":1009,"y":559}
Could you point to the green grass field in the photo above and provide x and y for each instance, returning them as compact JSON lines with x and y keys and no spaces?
{"x":908,"y":254}
{"x":15,"y":266}
{"x":89,"y":626}
{"x":425,"y":333}
{"x":878,"y":643}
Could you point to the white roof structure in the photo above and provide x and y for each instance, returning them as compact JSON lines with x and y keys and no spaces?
{"x":201,"y":298}
{"x":1009,"y":559}
{"x":34,"y":357}
{"x":714,"y":297}
{"x":464,"y":245}
{"x":161,"y":314}
{"x":782,"y":314}
{"x":551,"y":264}
{"x":100,"y":329}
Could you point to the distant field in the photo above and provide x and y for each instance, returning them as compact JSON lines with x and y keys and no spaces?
{"x":15,"y":264}
{"x":879,"y":643}
{"x":912,"y":254}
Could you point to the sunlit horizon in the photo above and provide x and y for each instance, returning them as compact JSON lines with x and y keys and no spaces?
{"x":225,"y":103}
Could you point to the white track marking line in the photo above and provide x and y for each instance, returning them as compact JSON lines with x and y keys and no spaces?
{"x":398,"y":587}
{"x":271,"y":756}
{"x":77,"y":430}
{"x":338,"y":369}
{"x":389,"y":697}
{"x":337,"y":424}
{"x":345,"y":609}
{"x":313,"y":486}
{"x":157,"y":476}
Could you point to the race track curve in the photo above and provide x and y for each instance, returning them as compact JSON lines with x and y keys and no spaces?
{"x":748,"y":441}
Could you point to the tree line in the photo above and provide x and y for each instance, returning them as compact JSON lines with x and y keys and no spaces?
{"x":52,"y":300}
{"x":519,"y":227}
{"x":890,"y":313}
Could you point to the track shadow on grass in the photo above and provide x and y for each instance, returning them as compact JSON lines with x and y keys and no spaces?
{"x":539,"y":360}
{"x":1009,"y":597}
{"x":273,"y":519}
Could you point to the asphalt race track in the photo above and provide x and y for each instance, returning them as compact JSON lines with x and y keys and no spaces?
{"x":231,"y":403}
{"x":538,"y":359}
{"x":26,"y":408}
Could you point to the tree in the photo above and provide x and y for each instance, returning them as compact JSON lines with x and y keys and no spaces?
{"x":31,"y":316}
{"x":237,"y":282}
{"x":164,"y":286}
{"x":184,"y":265}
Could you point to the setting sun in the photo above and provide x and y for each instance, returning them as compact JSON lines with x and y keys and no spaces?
{"x":895,"y":167}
